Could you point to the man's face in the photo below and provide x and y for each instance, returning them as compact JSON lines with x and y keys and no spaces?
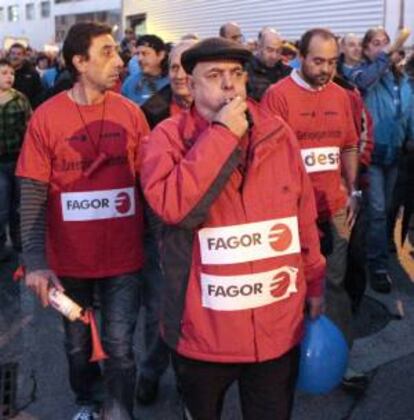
{"x":150,"y":60}
{"x":319,"y":65}
{"x":178,"y":76}
{"x":234,"y":33}
{"x":43,"y":64}
{"x":103,"y":65}
{"x":129,"y":34}
{"x":16,"y":56}
{"x":377,"y":44}
{"x":351,"y":47}
{"x":269,"y":50}
{"x":214,"y":83}
{"x":6,"y":77}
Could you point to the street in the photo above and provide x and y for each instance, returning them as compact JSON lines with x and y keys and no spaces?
{"x":33,"y":338}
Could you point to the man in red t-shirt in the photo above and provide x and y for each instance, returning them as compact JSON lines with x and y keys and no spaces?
{"x":82,"y":223}
{"x":320,"y":114}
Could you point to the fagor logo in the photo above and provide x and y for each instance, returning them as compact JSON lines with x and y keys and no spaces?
{"x":247,"y":291}
{"x":280,"y":284}
{"x":97,"y":205}
{"x":280,"y":237}
{"x":122,"y":202}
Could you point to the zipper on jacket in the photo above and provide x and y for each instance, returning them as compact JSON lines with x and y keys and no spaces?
{"x":249,"y":159}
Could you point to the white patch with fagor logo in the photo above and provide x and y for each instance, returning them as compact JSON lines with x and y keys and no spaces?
{"x":250,"y":241}
{"x":320,"y":159}
{"x":98,"y":205}
{"x":235,"y":293}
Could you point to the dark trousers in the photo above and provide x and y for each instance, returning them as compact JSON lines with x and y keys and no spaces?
{"x":119,"y":302}
{"x":334,"y":246}
{"x":157,"y":354}
{"x":9,"y":205}
{"x":266,"y":388}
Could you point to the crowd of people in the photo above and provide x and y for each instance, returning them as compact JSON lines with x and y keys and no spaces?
{"x":226,"y":187}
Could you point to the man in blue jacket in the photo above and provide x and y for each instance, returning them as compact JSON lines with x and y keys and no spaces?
{"x":387,"y":96}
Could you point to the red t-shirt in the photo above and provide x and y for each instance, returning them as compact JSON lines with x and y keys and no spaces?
{"x":323,"y":123}
{"x":88,"y":157}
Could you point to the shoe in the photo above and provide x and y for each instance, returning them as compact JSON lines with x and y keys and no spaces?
{"x":147,"y":390}
{"x":86,"y":412}
{"x":353,"y":381}
{"x":380,"y":282}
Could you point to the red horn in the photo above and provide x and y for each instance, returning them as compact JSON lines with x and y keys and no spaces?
{"x":98,"y":353}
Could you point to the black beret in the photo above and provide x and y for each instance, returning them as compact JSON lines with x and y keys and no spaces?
{"x":212,"y":49}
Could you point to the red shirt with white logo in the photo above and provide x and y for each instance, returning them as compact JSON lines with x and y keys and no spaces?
{"x":88,"y":157}
{"x":323,"y":123}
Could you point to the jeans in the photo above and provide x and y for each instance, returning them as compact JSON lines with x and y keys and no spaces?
{"x":118,"y":298}
{"x":334,"y":246}
{"x":9,"y":205}
{"x":382,"y":181}
{"x":157,"y":354}
{"x":266,"y":388}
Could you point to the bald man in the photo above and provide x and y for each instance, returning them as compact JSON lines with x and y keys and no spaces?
{"x":266,"y":66}
{"x":231,"y":31}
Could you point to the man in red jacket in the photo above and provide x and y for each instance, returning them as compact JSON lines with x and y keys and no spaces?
{"x":240,"y":249}
{"x":320,"y":114}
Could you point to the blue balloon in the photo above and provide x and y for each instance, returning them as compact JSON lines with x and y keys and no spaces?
{"x":324,"y":357}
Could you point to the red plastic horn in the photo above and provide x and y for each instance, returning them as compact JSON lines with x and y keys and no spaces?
{"x":98,"y":353}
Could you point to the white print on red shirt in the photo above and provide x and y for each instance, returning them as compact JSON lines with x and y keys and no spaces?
{"x":320,"y":159}
{"x":248,"y":291}
{"x":250,"y":241}
{"x":98,"y":205}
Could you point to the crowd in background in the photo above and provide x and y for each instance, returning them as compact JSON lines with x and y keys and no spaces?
{"x":377,"y":76}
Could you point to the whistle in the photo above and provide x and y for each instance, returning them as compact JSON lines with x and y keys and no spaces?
{"x":96,"y":164}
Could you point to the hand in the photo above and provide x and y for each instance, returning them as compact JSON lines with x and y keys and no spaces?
{"x":400,"y":40}
{"x":315,"y":306}
{"x":39,"y":282}
{"x":233,"y":116}
{"x":352,"y":208}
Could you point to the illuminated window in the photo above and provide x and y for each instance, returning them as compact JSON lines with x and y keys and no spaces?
{"x":30,"y":11}
{"x":45,"y":9}
{"x":13,"y":13}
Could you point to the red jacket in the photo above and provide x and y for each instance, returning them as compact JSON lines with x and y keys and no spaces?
{"x":240,"y":249}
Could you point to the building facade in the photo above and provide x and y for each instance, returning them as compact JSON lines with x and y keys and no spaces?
{"x":45,"y":22}
{"x":172,"y":19}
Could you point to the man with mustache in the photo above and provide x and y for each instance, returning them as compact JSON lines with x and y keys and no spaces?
{"x":319,"y":112}
{"x":82,"y":222}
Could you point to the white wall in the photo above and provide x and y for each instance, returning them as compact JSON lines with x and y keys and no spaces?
{"x":39,"y":31}
{"x":173,"y":18}
{"x":86,"y":6}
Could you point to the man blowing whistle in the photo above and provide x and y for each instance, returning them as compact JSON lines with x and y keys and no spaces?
{"x":240,"y":248}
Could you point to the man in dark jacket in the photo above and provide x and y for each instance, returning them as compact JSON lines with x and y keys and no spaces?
{"x":266,"y":67}
{"x":27,"y":80}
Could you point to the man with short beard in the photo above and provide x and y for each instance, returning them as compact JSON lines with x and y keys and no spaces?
{"x":266,"y":67}
{"x":320,"y":114}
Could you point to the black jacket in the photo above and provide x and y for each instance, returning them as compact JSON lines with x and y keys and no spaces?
{"x":157,"y":108}
{"x":261,"y":77}
{"x":27,"y":81}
